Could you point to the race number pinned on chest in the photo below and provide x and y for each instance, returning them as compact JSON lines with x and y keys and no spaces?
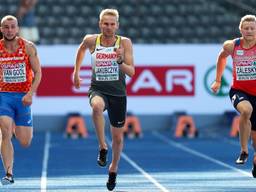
{"x":14,"y":73}
{"x":106,"y":68}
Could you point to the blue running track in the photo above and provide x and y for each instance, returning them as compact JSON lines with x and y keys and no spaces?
{"x":155,"y":163}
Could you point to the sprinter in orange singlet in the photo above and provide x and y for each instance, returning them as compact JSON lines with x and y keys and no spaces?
{"x":243,"y":90}
{"x":20,"y":75}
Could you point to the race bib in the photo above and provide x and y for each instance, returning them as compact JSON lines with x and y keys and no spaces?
{"x":106,"y":71}
{"x":14,"y":73}
{"x":246,"y":72}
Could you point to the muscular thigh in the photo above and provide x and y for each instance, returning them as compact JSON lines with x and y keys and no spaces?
{"x":24,"y":133}
{"x":6,"y":125}
{"x":117,"y":110}
{"x":237,"y":97}
{"x":97,"y":97}
{"x":11,"y":105}
{"x":23,"y":116}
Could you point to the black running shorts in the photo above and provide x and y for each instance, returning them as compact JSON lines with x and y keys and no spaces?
{"x":236,"y":96}
{"x":115,"y":106}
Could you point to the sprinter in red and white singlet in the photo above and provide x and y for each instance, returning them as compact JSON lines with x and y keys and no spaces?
{"x":243,"y":90}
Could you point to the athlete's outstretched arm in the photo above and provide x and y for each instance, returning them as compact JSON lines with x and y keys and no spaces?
{"x":79,"y":59}
{"x":128,"y":65}
{"x":36,"y":68}
{"x":227,"y":50}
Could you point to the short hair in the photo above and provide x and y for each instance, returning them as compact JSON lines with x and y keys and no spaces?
{"x":248,"y":18}
{"x":112,"y":12}
{"x":8,"y":17}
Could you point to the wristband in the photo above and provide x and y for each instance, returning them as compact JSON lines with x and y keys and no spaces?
{"x":119,"y":62}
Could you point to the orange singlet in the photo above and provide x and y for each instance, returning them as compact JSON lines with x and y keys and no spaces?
{"x":15,"y":69}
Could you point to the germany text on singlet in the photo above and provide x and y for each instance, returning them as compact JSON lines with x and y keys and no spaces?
{"x":106,"y":75}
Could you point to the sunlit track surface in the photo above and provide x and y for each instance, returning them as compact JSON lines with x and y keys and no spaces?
{"x":156,"y":162}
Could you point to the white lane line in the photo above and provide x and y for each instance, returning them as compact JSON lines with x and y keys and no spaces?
{"x":232,"y":142}
{"x":45,"y":162}
{"x":196,"y":153}
{"x":138,"y":168}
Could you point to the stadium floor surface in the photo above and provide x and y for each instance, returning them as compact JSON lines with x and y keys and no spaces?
{"x":155,"y":162}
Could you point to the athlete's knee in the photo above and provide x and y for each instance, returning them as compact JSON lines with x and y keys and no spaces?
{"x":97,"y":107}
{"x":6,"y":133}
{"x":246,"y":112}
{"x":25,"y":142}
{"x":24,"y":135}
{"x":117,"y":139}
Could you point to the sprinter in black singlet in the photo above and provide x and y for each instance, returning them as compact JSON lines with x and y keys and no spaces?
{"x":112,"y":60}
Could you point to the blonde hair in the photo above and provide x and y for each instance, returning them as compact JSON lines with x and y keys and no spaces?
{"x":112,"y":12}
{"x":8,"y":17}
{"x":248,"y":18}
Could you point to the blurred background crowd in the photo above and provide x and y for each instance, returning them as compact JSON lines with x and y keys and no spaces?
{"x":144,"y":21}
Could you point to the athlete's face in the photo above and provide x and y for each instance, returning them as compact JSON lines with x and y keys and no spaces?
{"x":10,"y":29}
{"x":108,"y":25}
{"x":248,"y":30}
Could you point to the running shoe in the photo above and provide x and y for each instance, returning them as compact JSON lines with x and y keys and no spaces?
{"x":111,"y":184}
{"x":102,"y":157}
{"x":243,"y":157}
{"x":8,"y":179}
{"x":254,"y":170}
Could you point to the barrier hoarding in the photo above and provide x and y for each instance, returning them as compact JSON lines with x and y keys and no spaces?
{"x":168,"y":78}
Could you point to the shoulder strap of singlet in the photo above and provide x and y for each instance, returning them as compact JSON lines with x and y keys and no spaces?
{"x":98,"y":40}
{"x":237,"y":42}
{"x":118,"y":42}
{"x":22,"y":46}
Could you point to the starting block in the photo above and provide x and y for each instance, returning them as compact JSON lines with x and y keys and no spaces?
{"x":234,"y":132}
{"x":76,"y":126}
{"x":185,"y":126}
{"x":132,"y":126}
{"x":232,"y":119}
